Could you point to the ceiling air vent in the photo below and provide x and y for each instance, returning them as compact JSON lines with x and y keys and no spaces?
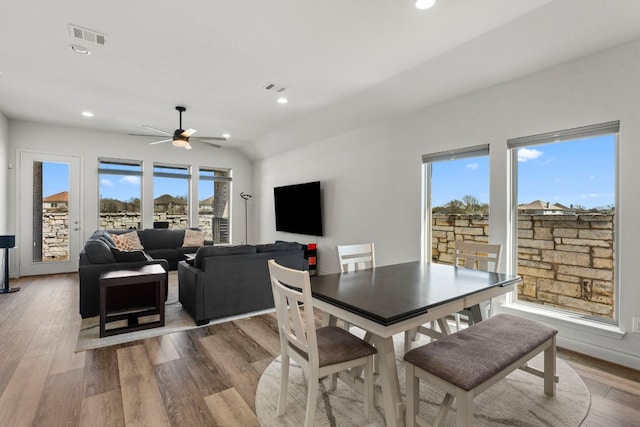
{"x":88,"y":35}
{"x":274,"y":87}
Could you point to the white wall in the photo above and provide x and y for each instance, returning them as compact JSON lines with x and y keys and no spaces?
{"x":371,"y":176}
{"x":91,"y":145}
{"x":4,"y":166}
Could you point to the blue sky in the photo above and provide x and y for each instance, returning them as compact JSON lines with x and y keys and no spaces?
{"x":579,"y":172}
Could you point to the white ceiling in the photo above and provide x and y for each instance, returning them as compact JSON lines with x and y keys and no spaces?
{"x":345,"y":62}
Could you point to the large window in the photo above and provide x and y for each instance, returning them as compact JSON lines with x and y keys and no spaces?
{"x":456,"y":200}
{"x":171,"y":195}
{"x":566,"y":199}
{"x":214,"y":190}
{"x":120,"y":194}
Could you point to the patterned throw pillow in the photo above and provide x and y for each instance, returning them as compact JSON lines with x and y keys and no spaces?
{"x":128,"y":241}
{"x":193,"y":238}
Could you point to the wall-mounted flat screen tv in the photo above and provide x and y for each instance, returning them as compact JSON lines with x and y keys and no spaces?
{"x":298,"y":208}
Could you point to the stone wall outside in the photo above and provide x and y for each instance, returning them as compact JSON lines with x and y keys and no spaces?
{"x":565,"y":261}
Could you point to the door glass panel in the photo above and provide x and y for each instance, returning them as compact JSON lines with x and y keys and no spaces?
{"x":50,"y":211}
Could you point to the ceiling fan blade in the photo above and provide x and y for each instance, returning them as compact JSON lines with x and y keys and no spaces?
{"x":187,"y":146}
{"x":206,"y":142}
{"x":157,"y":130}
{"x":187,"y":133}
{"x":211,"y":138}
{"x":160,"y":142}
{"x":143,"y":134}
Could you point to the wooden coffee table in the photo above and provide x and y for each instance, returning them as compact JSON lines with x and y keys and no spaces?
{"x":148,"y":275}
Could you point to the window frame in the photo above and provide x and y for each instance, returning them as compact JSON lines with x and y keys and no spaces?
{"x":187,"y":176}
{"x":481,"y":150}
{"x":600,"y":129}
{"x":121,"y":172}
{"x":215,"y":179}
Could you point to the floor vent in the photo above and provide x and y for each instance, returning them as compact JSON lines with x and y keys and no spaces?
{"x":88,"y":35}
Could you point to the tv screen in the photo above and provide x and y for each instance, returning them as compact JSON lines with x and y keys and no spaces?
{"x":298,"y":208}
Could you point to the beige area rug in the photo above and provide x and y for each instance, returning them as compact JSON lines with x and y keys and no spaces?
{"x":517,"y":400}
{"x":176,"y":319}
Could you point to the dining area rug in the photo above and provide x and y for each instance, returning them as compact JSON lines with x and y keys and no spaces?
{"x":517,"y":400}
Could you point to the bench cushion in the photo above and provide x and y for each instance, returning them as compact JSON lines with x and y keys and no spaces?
{"x":469,"y":357}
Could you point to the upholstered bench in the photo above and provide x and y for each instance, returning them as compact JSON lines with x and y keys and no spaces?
{"x":466,"y":363}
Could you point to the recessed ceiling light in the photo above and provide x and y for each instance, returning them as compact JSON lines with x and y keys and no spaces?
{"x":425,"y":4}
{"x":282,"y":100}
{"x":80,"y":49}
{"x":226,"y":135}
{"x":87,"y":113}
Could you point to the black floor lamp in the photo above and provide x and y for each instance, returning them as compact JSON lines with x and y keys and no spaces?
{"x":6,"y":242}
{"x":246,"y":198}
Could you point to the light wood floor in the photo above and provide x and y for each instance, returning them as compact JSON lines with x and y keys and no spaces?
{"x":202,"y":377}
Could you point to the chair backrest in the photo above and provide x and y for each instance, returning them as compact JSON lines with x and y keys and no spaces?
{"x":479,"y":256}
{"x":356,"y":257}
{"x":294,"y":310}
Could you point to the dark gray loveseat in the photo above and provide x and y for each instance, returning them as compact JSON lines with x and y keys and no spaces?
{"x":161,"y":246}
{"x":226,"y":281}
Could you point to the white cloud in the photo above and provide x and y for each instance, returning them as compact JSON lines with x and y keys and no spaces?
{"x":525,"y":154}
{"x":593,"y":195}
{"x":472,"y":166}
{"x":135,"y":180}
{"x":106,"y":183}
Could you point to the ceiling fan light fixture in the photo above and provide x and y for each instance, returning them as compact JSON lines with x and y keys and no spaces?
{"x":425,"y":4}
{"x":180,"y":142}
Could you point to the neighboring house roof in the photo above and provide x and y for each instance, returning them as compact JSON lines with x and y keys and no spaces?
{"x":540,"y":205}
{"x":165,"y":199}
{"x":57,"y":198}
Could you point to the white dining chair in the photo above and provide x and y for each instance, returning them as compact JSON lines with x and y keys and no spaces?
{"x":477,"y":256}
{"x":319,"y":352}
{"x":356,"y":257}
{"x":473,"y":255}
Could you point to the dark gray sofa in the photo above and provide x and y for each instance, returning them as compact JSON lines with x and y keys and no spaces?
{"x":161,"y":246}
{"x":226,"y":281}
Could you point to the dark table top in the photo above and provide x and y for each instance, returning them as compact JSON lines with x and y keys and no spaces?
{"x":392,"y":293}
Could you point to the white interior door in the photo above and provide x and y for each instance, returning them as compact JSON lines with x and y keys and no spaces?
{"x":48,"y":213}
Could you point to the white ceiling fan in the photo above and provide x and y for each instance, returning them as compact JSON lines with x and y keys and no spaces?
{"x":181,"y":137}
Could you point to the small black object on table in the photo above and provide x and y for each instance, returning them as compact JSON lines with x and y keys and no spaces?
{"x":150,"y":276}
{"x":6,"y":242}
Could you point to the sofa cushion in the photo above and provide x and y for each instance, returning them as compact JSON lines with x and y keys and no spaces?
{"x":162,"y":238}
{"x":208,"y":251}
{"x":129,"y":256}
{"x":127,"y":241}
{"x":279,"y":246}
{"x":103,"y":236}
{"x":98,"y":252}
{"x":193,"y":238}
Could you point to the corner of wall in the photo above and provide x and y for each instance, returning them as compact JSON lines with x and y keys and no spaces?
{"x":4,"y":162}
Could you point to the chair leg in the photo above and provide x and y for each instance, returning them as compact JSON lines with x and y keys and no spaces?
{"x":457,"y":316}
{"x":413,"y":386}
{"x":550,"y":369}
{"x":368,"y":389}
{"x":312,"y":399}
{"x":284,"y":383}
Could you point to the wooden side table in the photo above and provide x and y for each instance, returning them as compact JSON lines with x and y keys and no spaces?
{"x":150,"y":275}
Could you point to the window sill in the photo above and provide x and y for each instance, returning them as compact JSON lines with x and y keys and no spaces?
{"x":564,"y":319}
